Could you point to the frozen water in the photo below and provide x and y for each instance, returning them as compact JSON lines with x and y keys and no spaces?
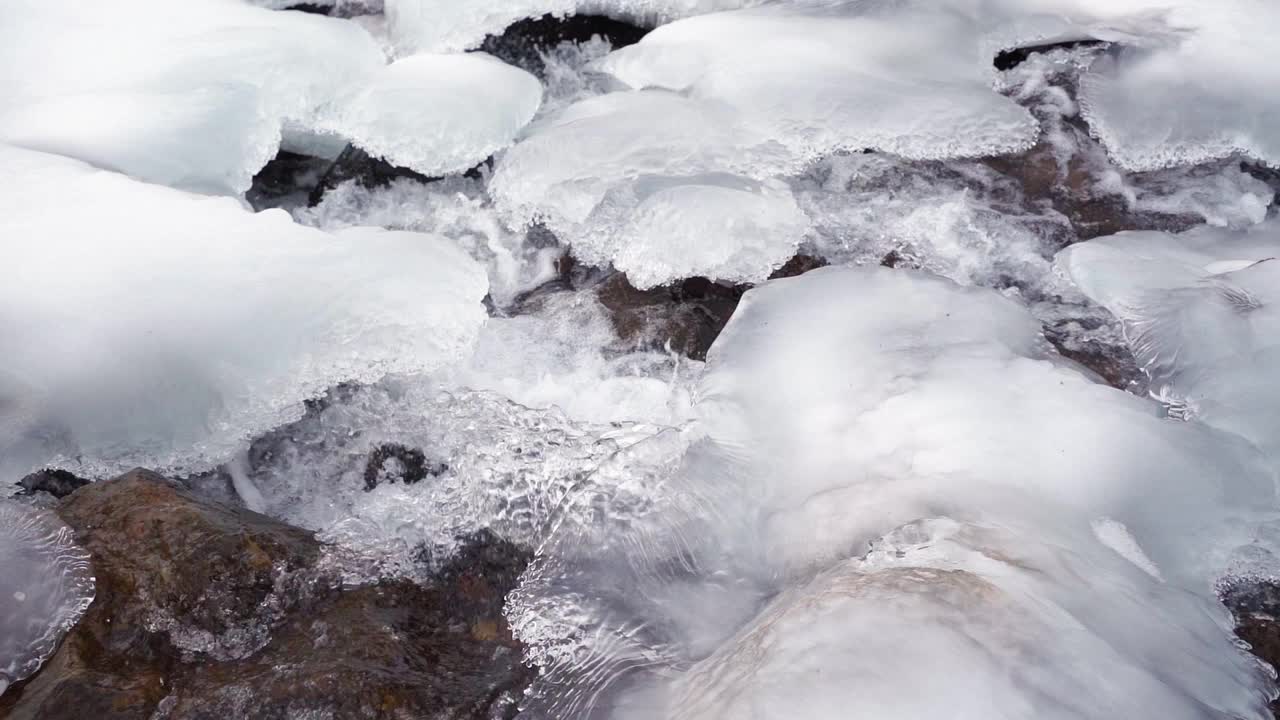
{"x":436,"y":114}
{"x":1199,"y":312}
{"x":839,"y":77}
{"x":148,"y":326}
{"x":657,"y":184}
{"x":83,"y":80}
{"x":46,"y":584}
{"x":448,"y":26}
{"x":872,"y":479}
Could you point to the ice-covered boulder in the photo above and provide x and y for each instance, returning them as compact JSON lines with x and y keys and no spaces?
{"x":890,"y":475}
{"x":436,"y":114}
{"x":192,"y":95}
{"x":147,"y":326}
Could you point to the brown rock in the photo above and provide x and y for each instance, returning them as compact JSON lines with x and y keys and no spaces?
{"x":212,"y":611}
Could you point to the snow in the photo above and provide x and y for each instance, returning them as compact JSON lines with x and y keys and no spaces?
{"x":436,"y":114}
{"x":82,"y":80}
{"x":148,"y":326}
{"x":46,"y":584}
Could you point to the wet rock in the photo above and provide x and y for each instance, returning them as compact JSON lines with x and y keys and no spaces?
{"x":685,"y":317}
{"x":1256,"y":606}
{"x":394,"y":462}
{"x":356,"y":164}
{"x":525,"y":42}
{"x":58,"y":483}
{"x":286,"y":182}
{"x":212,"y":611}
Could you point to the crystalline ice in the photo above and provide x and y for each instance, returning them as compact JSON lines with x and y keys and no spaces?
{"x":872,"y":480}
{"x":1199,"y":310}
{"x":850,"y":77}
{"x":46,"y":584}
{"x":446,"y":26}
{"x":436,"y":114}
{"x":193,"y":96}
{"x":154,"y":327}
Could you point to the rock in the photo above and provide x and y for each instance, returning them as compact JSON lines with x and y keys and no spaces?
{"x":58,"y":483}
{"x":286,"y":182}
{"x":212,"y":611}
{"x":394,"y":462}
{"x":1009,"y":59}
{"x":356,"y":164}
{"x":1256,"y":606}
{"x":524,"y":42}
{"x":686,"y":317}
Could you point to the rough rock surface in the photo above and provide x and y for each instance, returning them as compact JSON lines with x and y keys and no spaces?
{"x":212,"y":611}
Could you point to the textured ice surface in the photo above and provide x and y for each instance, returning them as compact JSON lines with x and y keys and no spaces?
{"x":447,"y":25}
{"x":436,"y":114}
{"x":191,"y":95}
{"x":46,"y":584}
{"x":657,"y":184}
{"x":870,"y":493}
{"x":1199,"y":311}
{"x":832,"y":77}
{"x":148,"y":326}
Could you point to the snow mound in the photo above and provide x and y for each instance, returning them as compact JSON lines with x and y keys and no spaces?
{"x":436,"y":114}
{"x":1201,"y":311}
{"x":872,"y":492}
{"x":659,"y":185}
{"x":46,"y":584}
{"x":84,"y":80}
{"x":153,"y":327}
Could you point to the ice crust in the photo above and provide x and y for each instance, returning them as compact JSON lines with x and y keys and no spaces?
{"x":823,"y":535}
{"x":436,"y":114}
{"x":148,"y":326}
{"x":82,"y":79}
{"x":46,"y":584}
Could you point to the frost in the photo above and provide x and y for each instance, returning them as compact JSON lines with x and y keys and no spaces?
{"x":46,"y":584}
{"x":154,"y":327}
{"x":436,"y":114}
{"x":84,"y":81}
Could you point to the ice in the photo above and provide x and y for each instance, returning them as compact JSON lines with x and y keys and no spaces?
{"x":657,"y":184}
{"x":46,"y":584}
{"x":835,"y":77}
{"x":891,"y":477}
{"x":436,"y":114}
{"x":449,"y":26}
{"x":193,"y":96}
{"x":148,"y":326}
{"x":1199,"y":313}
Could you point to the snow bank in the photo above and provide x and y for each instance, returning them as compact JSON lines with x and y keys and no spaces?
{"x":147,"y":326}
{"x":191,"y":95}
{"x":436,"y":114}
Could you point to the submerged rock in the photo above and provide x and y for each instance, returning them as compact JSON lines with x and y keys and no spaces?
{"x":206,"y":610}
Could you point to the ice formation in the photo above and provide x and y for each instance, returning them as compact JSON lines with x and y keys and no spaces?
{"x":876,"y":449}
{"x":149,"y":326}
{"x":436,"y":114}
{"x":83,"y":80}
{"x":447,"y":26}
{"x":1199,"y":312}
{"x":46,"y":584}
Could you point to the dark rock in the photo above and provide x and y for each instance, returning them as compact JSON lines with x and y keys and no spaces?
{"x":356,"y":164}
{"x":1256,"y":606}
{"x":524,"y":42}
{"x":56,"y":482}
{"x":212,"y":611}
{"x":393,"y":462}
{"x":286,"y":182}
{"x":1013,"y":57}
